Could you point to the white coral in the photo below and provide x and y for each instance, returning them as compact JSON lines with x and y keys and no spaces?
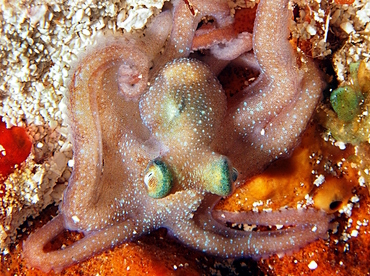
{"x":363,"y":15}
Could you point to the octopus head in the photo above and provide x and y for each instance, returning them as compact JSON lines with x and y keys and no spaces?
{"x":183,"y":109}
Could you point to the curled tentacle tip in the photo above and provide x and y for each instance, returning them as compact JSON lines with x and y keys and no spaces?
{"x":130,"y":81}
{"x":158,"y":179}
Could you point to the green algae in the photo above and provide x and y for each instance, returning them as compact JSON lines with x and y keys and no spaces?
{"x":348,"y":119}
{"x":346,"y":102}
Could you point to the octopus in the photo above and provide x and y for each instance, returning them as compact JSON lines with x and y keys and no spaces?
{"x":157,"y":143}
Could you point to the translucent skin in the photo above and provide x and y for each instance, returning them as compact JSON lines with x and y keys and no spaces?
{"x":266,"y":119}
{"x":120,"y":125}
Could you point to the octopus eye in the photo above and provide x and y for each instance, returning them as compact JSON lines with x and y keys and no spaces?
{"x":157,"y":179}
{"x":218,"y":178}
{"x":234,"y":174}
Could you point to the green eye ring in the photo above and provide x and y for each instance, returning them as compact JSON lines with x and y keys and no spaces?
{"x":158,"y":179}
{"x":218,"y":176}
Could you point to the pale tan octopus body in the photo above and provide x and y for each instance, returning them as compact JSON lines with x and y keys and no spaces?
{"x":165,"y":160}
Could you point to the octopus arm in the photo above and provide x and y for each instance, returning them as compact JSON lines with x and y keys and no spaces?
{"x":231,"y":244}
{"x":234,"y":48}
{"x":221,"y":30}
{"x":87,"y":83}
{"x":104,"y":88}
{"x":92,"y":243}
{"x":187,"y":15}
{"x":282,"y":132}
{"x":266,"y":119}
{"x":208,"y":231}
{"x":184,"y":26}
{"x":221,"y":54}
{"x":284,"y":217}
{"x":209,"y":36}
{"x":154,"y":213}
{"x":156,"y":34}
